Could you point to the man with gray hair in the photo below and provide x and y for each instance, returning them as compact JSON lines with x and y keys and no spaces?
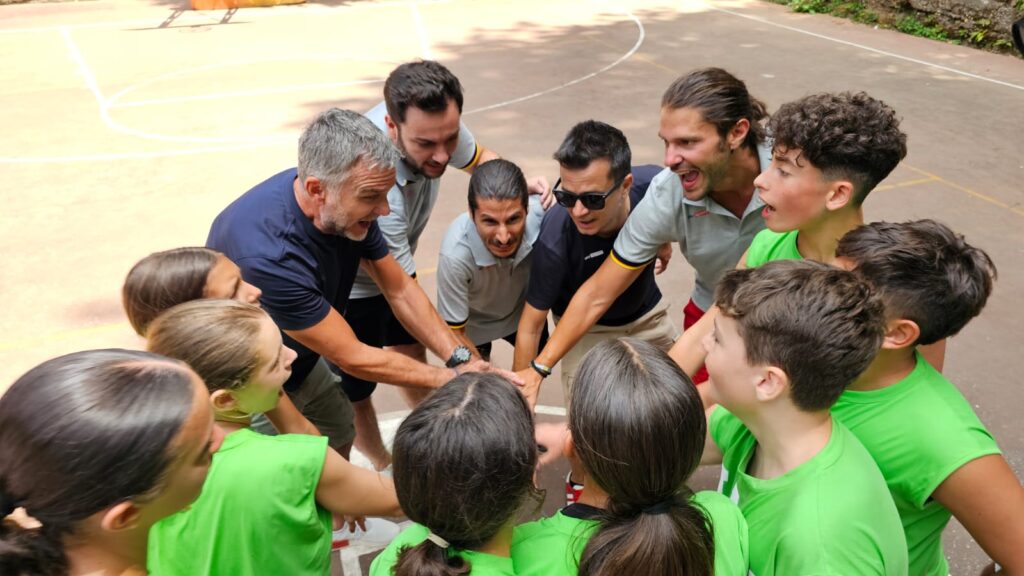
{"x":300,"y":237}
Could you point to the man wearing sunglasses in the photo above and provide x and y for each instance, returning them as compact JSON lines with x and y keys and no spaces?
{"x":596,"y":190}
{"x":705,"y":199}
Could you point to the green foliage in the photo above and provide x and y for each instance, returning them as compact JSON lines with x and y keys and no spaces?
{"x":852,"y":9}
{"x":909,"y":24}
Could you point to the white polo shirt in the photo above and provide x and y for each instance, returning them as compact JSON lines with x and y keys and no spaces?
{"x":411,"y":201}
{"x":479,"y":291}
{"x":711,"y":238}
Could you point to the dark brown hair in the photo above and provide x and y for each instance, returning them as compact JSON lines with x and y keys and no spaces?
{"x":425,"y":84}
{"x":80,"y":433}
{"x":638,"y":428}
{"x":821,"y":325}
{"x":164,"y":279}
{"x":218,"y":338}
{"x":846,"y":136}
{"x":924,"y":272}
{"x":464,"y":461}
{"x":592,"y":140}
{"x":722,"y":99}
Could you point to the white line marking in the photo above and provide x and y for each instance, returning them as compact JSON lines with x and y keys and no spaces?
{"x":83,"y":69}
{"x":623,"y":58}
{"x":863,"y":47}
{"x":550,"y":410}
{"x":421,"y":29}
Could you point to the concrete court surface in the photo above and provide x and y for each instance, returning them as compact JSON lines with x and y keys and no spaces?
{"x":128,"y":125}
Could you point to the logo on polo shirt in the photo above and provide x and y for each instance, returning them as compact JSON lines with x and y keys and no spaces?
{"x":700,"y":213}
{"x":593,"y":255}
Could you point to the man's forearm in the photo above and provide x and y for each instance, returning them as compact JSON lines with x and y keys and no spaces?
{"x":381,"y":365}
{"x":416,"y":313}
{"x":531,"y":325}
{"x":585,"y":309}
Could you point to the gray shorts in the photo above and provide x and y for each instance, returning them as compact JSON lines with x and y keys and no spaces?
{"x":320,"y":400}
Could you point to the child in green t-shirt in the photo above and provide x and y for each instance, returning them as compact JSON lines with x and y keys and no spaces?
{"x":267,"y":503}
{"x":829,"y":151}
{"x":636,"y":430}
{"x":464,"y":462}
{"x":790,"y":337}
{"x":936,"y":456}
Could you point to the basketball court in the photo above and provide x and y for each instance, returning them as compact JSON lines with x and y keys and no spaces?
{"x":129,"y":125}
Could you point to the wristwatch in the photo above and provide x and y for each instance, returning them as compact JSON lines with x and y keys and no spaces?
{"x":460,"y":355}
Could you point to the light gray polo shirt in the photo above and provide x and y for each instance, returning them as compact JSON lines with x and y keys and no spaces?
{"x":411,"y":200}
{"x":479,"y":291}
{"x":711,"y":238}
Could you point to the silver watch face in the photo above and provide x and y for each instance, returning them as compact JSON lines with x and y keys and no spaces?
{"x":460,"y":355}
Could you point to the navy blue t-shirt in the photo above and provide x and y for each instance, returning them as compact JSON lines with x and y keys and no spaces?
{"x":563,"y":259}
{"x":302,"y":272}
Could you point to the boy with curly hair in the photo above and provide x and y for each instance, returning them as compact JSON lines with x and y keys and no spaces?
{"x":935,"y":454}
{"x":829,"y":152}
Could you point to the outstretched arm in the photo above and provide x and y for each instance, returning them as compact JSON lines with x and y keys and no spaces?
{"x":346,"y":489}
{"x":531,"y":326}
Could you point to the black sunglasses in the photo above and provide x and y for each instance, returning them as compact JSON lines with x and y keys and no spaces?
{"x":590,"y":200}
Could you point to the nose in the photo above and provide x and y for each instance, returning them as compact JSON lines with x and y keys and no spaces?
{"x":290,"y":356}
{"x":216,"y":439}
{"x":579,"y":210}
{"x":706,"y":341}
{"x":440,"y":155}
{"x":673,"y":155}
{"x":382,"y":208}
{"x":761,"y":181}
{"x":503,"y":235}
{"x":254,"y":294}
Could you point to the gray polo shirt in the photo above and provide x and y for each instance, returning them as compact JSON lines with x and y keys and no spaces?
{"x":711,"y":238}
{"x":479,"y":291}
{"x":411,"y":200}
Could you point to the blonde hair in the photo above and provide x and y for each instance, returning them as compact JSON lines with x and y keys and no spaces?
{"x":218,"y":338}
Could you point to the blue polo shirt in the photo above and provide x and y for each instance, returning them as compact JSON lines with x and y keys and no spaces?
{"x":563,"y":259}
{"x":302,"y":272}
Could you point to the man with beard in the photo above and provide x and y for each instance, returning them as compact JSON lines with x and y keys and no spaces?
{"x":421,"y":113}
{"x":705,"y":199}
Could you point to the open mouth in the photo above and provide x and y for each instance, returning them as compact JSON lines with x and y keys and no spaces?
{"x":768,"y":209}
{"x":689,"y":178}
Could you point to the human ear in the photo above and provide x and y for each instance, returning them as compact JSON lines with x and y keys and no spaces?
{"x":772,"y":384}
{"x":120,"y":516}
{"x":840,"y":195}
{"x":315,"y":188}
{"x":392,"y":128}
{"x":568,"y":448}
{"x":738,"y":133}
{"x":223,"y":401}
{"x":900,"y":333}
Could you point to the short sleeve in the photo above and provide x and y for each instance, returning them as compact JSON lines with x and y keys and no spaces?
{"x":467,"y":152}
{"x":453,"y":279}
{"x":652,"y":223}
{"x":291,"y":294}
{"x":374,"y":246}
{"x":394,"y":230}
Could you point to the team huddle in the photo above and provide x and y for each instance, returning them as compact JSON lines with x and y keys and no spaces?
{"x":809,"y":367}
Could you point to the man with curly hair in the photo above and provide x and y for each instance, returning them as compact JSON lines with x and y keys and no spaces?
{"x":829,"y":152}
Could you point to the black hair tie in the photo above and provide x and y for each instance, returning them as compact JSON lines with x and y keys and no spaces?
{"x":663,"y":507}
{"x":7,"y":505}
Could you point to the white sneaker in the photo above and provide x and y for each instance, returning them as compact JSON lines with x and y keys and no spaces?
{"x":378,"y":531}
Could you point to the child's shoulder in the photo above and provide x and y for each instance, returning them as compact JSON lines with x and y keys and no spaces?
{"x":768,"y":245}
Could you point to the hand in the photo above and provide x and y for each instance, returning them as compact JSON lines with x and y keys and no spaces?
{"x":478,"y":365}
{"x":662,"y":258}
{"x":339,"y":520}
{"x":539,"y":185}
{"x":989,"y":570}
{"x":530,"y":386}
{"x":552,"y":438}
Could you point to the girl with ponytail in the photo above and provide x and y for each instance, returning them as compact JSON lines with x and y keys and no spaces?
{"x":464,"y":461}
{"x":95,"y":447}
{"x":637,"y":430}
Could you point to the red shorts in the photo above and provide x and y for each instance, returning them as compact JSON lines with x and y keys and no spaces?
{"x":691,"y":313}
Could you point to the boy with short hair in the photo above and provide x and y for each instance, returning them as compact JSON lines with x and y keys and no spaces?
{"x":936,"y":456}
{"x":829,"y":152}
{"x":789,"y":338}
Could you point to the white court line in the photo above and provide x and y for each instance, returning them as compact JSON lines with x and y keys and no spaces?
{"x":76,"y":55}
{"x":623,"y":58}
{"x":422,"y":31}
{"x":863,"y":47}
{"x":240,"y":93}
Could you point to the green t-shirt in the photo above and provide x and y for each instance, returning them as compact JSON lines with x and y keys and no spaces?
{"x":919,"y":431}
{"x":257,"y":513}
{"x":480,"y":563}
{"x":831,"y":515}
{"x":768,"y":246}
{"x":552,"y":546}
